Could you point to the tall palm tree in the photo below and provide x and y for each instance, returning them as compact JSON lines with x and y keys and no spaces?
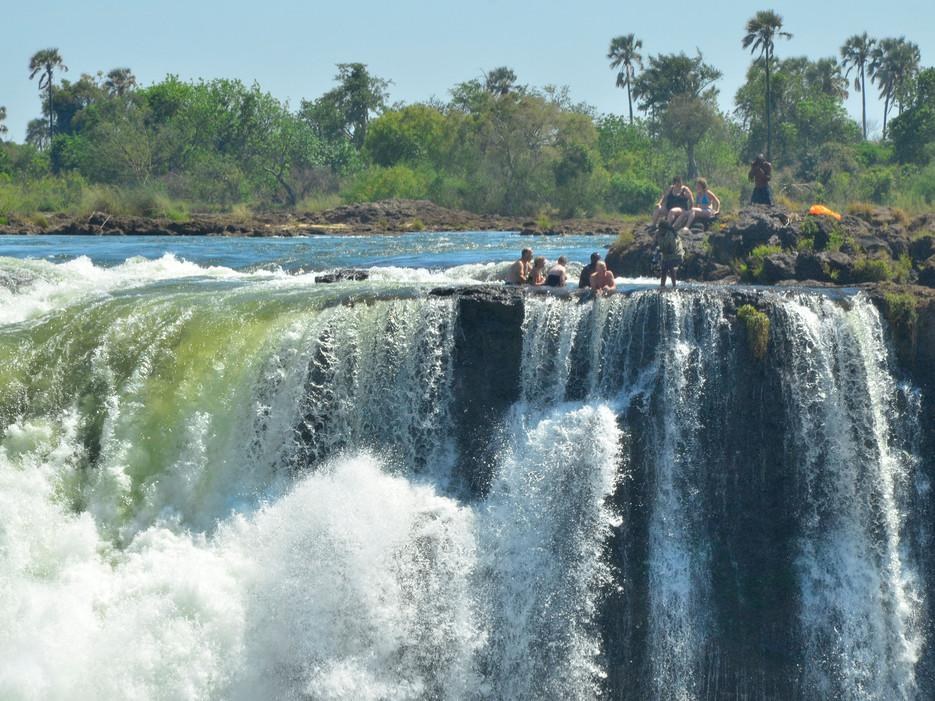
{"x":856,"y":53}
{"x":45,"y":63}
{"x":120,"y":81}
{"x":500,"y":81}
{"x":762,"y":30}
{"x":624,"y":54}
{"x":893,"y":63}
{"x":3,"y":129}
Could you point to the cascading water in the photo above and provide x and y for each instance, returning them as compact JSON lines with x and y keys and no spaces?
{"x":240,"y":486}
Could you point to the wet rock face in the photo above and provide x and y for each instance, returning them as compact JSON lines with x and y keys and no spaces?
{"x":488,"y":354}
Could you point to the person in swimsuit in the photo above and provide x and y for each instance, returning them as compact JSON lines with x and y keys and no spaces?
{"x":518,"y":273}
{"x":676,"y":199}
{"x":707,"y":206}
{"x":602,"y":280}
{"x":584,"y":280}
{"x":558,"y":275}
{"x":537,"y":274}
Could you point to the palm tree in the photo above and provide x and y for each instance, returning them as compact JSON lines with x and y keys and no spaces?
{"x":624,"y":54}
{"x":120,"y":81}
{"x":893,"y":63}
{"x":856,"y":53}
{"x":500,"y":81}
{"x":824,"y":75}
{"x":3,"y":129}
{"x":46,"y":62}
{"x":762,"y":30}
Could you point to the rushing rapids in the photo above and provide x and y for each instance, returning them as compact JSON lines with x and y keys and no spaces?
{"x":226,"y":485}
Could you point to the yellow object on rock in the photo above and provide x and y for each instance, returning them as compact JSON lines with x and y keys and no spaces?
{"x":821,"y":210}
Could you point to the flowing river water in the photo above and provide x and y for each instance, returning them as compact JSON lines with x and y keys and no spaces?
{"x":221,"y":480}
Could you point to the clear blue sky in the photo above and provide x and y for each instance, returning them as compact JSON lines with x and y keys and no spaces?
{"x":424,"y":47}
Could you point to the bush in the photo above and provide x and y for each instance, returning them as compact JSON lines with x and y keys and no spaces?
{"x":753,"y":270}
{"x":871,"y":270}
{"x":387,"y":183}
{"x":631,"y":195}
{"x":756,"y":324}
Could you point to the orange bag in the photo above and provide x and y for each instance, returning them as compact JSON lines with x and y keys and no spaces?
{"x":821,"y":210}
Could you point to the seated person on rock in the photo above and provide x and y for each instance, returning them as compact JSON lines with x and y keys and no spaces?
{"x":558,"y":275}
{"x":584,"y":280}
{"x":676,"y":199}
{"x":707,"y":206}
{"x":602,"y":280}
{"x":518,"y":273}
{"x":673,"y":252}
{"x":537,"y":274}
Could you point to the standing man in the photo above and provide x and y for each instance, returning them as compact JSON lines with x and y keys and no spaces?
{"x":518,"y":274}
{"x":761,"y":171}
{"x":585,"y":279}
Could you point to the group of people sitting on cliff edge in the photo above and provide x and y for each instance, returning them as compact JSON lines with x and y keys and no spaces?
{"x":679,"y":207}
{"x":532,"y":271}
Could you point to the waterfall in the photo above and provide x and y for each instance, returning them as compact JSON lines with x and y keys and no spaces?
{"x":244,"y":486}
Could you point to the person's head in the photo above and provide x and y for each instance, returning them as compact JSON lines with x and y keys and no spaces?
{"x":677,"y":181}
{"x":600,"y":267}
{"x":562,"y":260}
{"x":526,"y":254}
{"x":760,"y":158}
{"x":595,"y":257}
{"x":539,"y":262}
{"x":701,"y":184}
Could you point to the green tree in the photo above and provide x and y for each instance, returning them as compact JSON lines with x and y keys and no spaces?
{"x":624,"y":55}
{"x":411,"y":134}
{"x":856,"y":54}
{"x":119,"y":82}
{"x":824,"y":76}
{"x":37,"y":134}
{"x":762,"y":31}
{"x":44,"y":64}
{"x":893,"y":64}
{"x":685,"y":122}
{"x":500,"y":81}
{"x":913,"y":131}
{"x":3,"y":129}
{"x":669,"y":75}
{"x":345,"y":111}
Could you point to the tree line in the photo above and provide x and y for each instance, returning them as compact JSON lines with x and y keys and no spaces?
{"x":494,"y":145}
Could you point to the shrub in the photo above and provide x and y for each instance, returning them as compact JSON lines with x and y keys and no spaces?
{"x":756,"y":324}
{"x":631,"y":195}
{"x":871,"y":270}
{"x":753,"y":270}
{"x":900,"y":310}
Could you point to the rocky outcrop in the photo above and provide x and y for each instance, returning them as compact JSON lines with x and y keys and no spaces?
{"x":772,"y":245}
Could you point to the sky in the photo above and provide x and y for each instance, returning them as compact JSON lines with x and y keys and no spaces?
{"x":425,"y":47}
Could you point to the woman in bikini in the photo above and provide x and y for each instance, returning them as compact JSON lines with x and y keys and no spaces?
{"x":676,"y":200}
{"x":707,"y":206}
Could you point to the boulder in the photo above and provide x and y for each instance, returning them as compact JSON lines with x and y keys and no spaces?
{"x":927,"y":272}
{"x":778,"y":266}
{"x":757,"y":225}
{"x":342,"y":275}
{"x":808,"y":267}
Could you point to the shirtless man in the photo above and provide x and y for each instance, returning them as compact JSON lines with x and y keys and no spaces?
{"x":518,"y":274}
{"x":602,"y":280}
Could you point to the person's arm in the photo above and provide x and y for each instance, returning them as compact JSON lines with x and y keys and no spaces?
{"x":662,"y":198}
{"x":768,"y":170}
{"x":716,"y":209}
{"x":691,"y":197}
{"x":752,"y":172}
